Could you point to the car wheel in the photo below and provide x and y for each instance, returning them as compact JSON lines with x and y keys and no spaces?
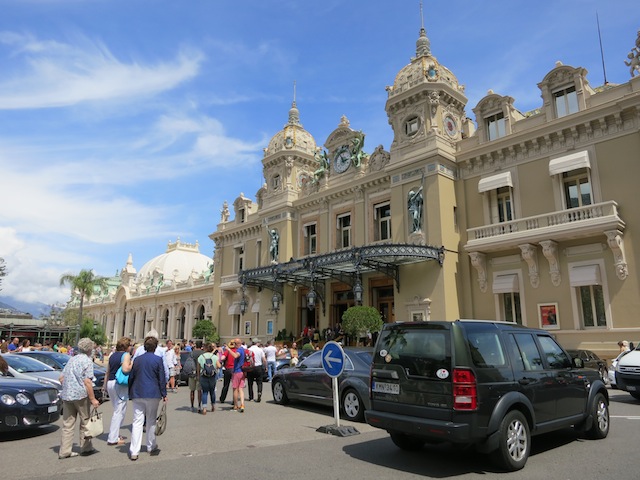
{"x":352,"y":406}
{"x":279,"y":393}
{"x":635,"y":395}
{"x":407,"y":442}
{"x":600,"y":415}
{"x":514,"y":442}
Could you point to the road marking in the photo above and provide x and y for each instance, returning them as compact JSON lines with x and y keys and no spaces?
{"x":636,"y":417}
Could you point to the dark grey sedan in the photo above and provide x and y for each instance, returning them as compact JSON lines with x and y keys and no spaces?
{"x":308,"y":382}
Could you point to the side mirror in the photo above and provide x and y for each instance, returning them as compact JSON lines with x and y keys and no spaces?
{"x":578,"y":363}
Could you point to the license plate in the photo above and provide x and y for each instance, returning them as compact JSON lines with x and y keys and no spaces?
{"x":631,"y":388}
{"x":52,"y":408}
{"x":392,"y":388}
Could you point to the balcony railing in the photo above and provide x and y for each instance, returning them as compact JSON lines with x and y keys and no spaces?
{"x":560,"y":225}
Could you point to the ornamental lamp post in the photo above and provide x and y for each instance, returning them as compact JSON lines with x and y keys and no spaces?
{"x":311,"y":299}
{"x":275,"y":302}
{"x":357,"y":292}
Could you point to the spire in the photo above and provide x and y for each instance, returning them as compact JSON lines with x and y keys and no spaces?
{"x":294,"y":113}
{"x":423,"y":45}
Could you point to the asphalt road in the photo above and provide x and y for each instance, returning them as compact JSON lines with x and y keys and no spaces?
{"x":269,"y":441}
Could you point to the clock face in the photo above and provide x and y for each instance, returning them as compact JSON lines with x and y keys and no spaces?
{"x":450,"y":126}
{"x":342,"y":160}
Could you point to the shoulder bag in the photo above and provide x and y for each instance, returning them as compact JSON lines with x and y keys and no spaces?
{"x":161,"y":420}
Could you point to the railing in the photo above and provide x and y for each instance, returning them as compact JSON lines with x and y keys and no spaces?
{"x":564,"y":217}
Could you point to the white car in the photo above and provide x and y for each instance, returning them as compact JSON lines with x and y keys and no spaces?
{"x":31,"y":369}
{"x":612,"y":369}
{"x":628,"y":373}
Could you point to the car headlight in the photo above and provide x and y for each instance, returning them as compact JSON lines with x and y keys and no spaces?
{"x":22,"y":399}
{"x":7,"y":399}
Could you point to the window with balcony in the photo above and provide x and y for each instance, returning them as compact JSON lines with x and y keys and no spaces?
{"x":382,"y":221}
{"x":496,"y":126}
{"x":498,"y":192}
{"x":310,"y":240}
{"x":577,"y":188}
{"x":344,"y":230}
{"x":566,"y":101}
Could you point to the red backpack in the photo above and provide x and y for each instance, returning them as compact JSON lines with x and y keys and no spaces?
{"x":249,"y":361}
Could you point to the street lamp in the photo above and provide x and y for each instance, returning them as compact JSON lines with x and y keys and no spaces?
{"x":275,"y":302}
{"x":311,"y":299}
{"x":243,"y":305}
{"x":357,"y":292}
{"x":11,"y":327}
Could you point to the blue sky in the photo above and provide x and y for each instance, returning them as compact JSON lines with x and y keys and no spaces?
{"x":127,"y":124}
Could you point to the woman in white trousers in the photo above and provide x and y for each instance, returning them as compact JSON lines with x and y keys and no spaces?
{"x":118,"y":394}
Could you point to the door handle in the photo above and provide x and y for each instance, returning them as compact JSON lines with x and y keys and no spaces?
{"x":525,"y":381}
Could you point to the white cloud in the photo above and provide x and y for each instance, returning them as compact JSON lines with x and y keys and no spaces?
{"x":53,"y":74}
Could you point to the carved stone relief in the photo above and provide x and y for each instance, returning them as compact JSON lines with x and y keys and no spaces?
{"x":550,"y":252}
{"x":530,"y":255}
{"x":479,"y":262}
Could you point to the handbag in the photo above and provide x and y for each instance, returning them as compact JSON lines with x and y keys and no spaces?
{"x":161,"y":420}
{"x":121,"y":377}
{"x":94,"y":426}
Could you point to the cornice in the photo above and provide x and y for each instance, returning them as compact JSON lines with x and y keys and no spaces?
{"x":555,"y":137}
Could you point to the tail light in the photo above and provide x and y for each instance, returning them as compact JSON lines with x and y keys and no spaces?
{"x":465,"y":390}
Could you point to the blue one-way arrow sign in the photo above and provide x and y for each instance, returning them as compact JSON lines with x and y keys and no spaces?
{"x":333,"y":359}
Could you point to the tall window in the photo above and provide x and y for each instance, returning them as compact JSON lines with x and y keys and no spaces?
{"x":310,"y":239}
{"x":592,"y":306}
{"x":511,"y":307}
{"x":566,"y":101}
{"x":344,"y":230}
{"x":258,"y":253}
{"x":577,"y":188}
{"x":382,"y":220}
{"x":496,"y":126}
{"x":235,"y":325}
{"x":239,"y":258}
{"x":504,"y":204}
{"x":242,"y":214}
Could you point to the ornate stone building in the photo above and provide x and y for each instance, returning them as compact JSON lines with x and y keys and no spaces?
{"x":528,"y":218}
{"x":169,"y":294}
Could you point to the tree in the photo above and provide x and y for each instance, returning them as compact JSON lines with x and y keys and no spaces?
{"x":207,"y":330}
{"x":3,"y":270}
{"x":358,"y":321}
{"x":83,"y":285}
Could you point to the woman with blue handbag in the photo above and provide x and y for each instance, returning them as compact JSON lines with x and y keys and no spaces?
{"x":116,"y":379}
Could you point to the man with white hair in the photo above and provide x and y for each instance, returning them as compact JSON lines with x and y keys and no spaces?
{"x":160,"y":351}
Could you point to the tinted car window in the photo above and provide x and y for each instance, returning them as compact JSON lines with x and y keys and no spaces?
{"x":486,"y":350}
{"x":313,"y":361}
{"x":421,"y":352}
{"x":556,"y":358}
{"x":529,"y":352}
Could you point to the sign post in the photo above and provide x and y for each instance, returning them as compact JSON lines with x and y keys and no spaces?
{"x":333,"y":360}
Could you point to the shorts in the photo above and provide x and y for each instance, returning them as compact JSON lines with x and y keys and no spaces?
{"x":237,"y":380}
{"x":194,"y":384}
{"x":172,"y":372}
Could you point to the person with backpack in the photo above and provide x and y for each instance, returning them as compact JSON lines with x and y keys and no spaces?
{"x":208,"y":367}
{"x":191,"y":368}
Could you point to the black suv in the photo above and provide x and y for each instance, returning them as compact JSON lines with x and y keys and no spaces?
{"x":489,"y":384}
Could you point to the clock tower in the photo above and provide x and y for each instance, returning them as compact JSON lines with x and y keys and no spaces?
{"x":425,"y":106}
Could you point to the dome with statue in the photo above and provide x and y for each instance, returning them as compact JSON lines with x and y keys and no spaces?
{"x":292,"y":136}
{"x":177,"y":264}
{"x":424,"y":68}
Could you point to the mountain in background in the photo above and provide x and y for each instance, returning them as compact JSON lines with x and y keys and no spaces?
{"x":36,"y":309}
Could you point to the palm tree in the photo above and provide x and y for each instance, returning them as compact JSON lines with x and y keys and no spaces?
{"x":83,"y":284}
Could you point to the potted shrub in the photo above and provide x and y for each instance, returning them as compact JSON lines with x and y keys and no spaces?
{"x":359,"y":321}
